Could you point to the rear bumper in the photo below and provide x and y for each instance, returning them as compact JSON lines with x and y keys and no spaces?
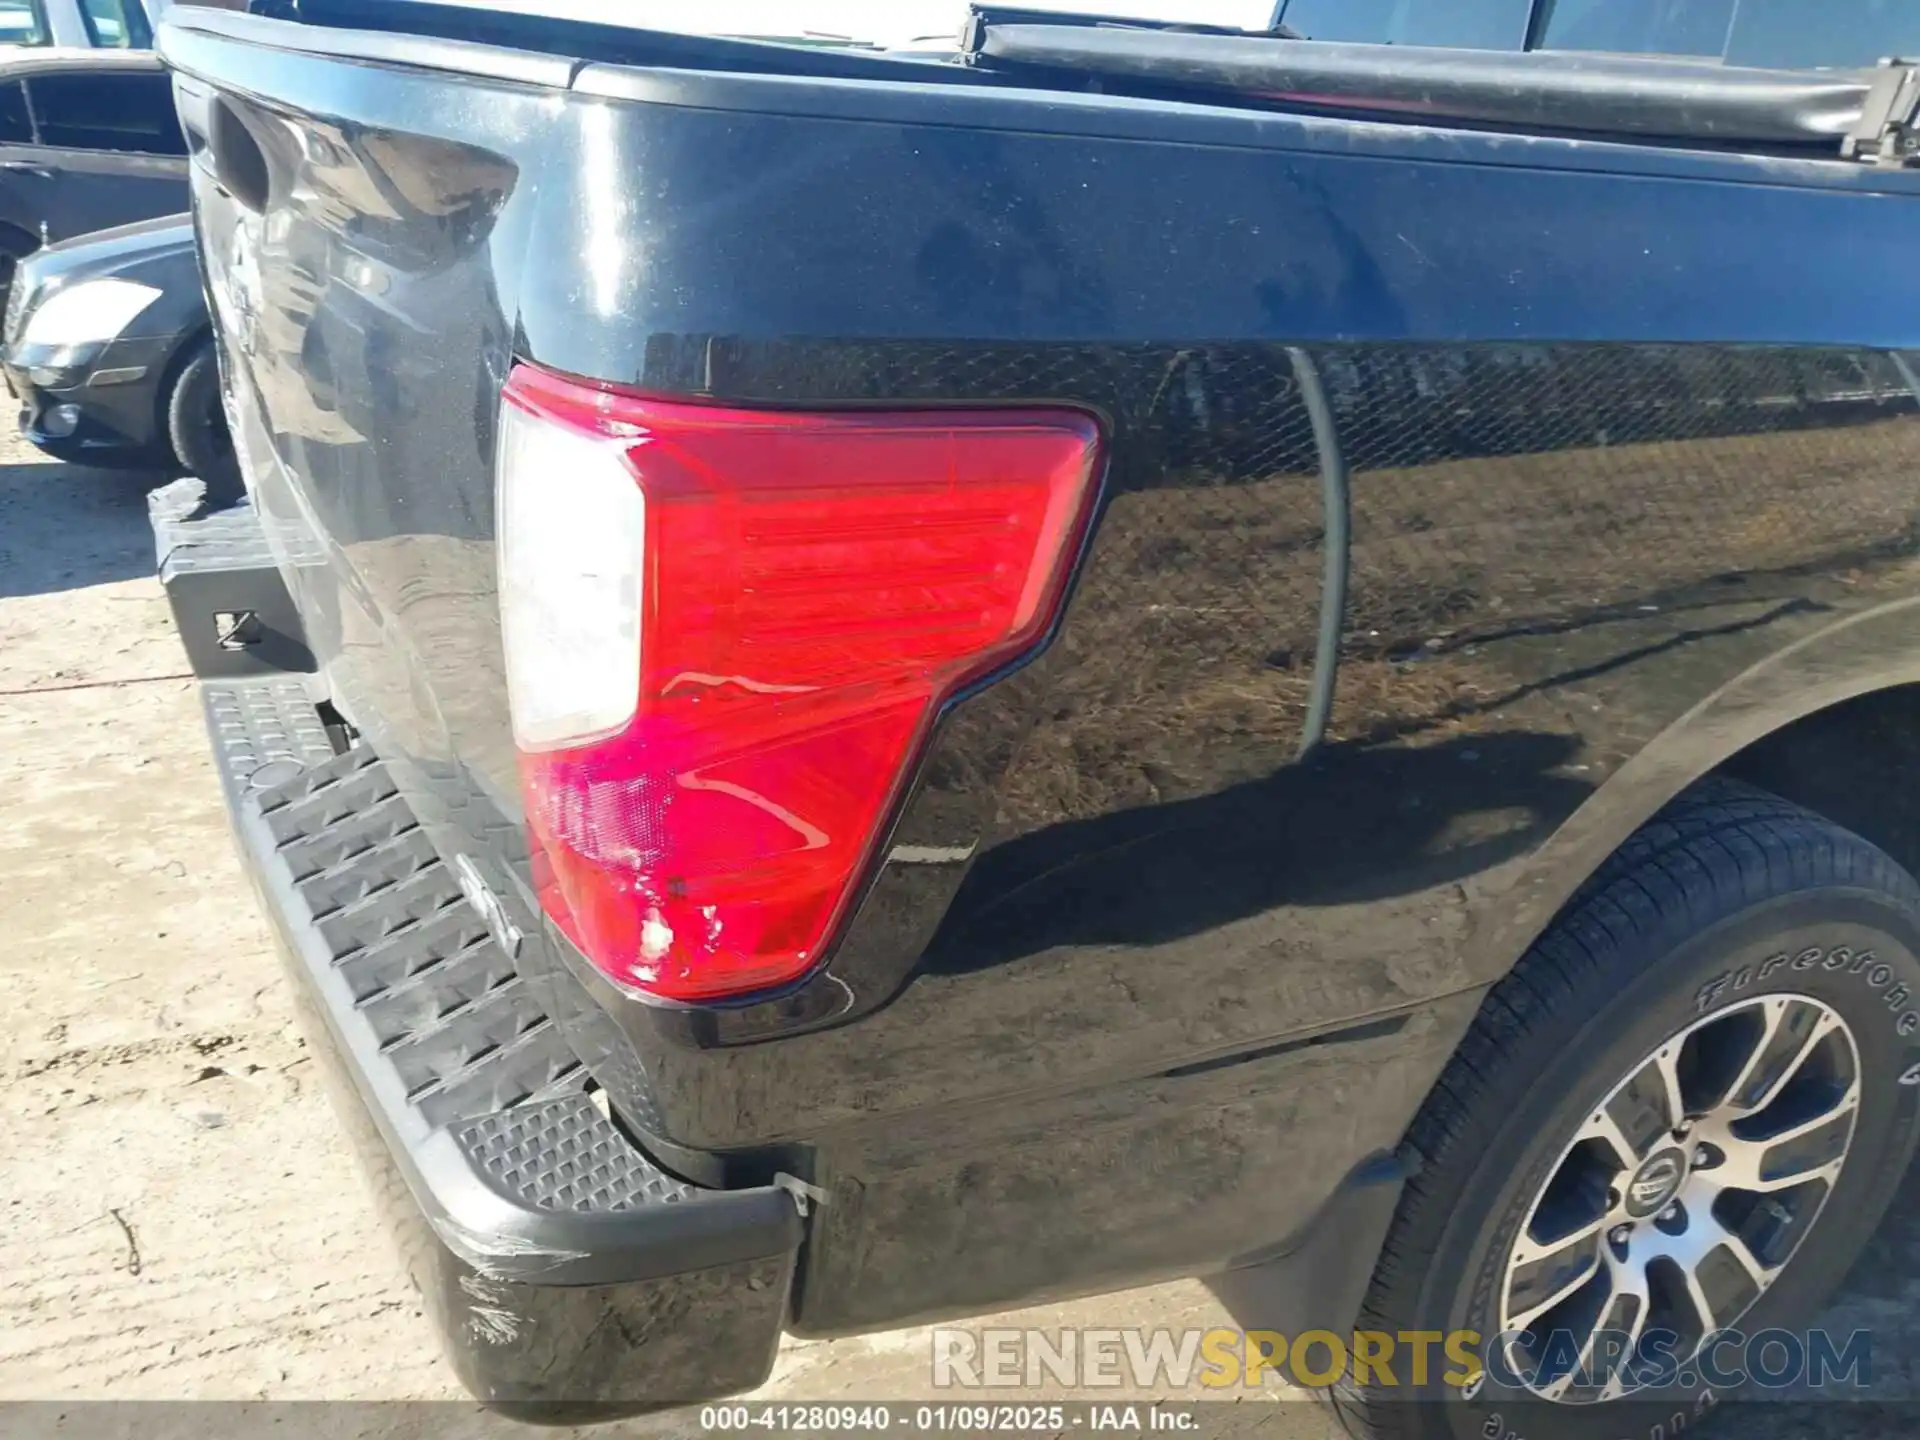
{"x":565,"y":1270}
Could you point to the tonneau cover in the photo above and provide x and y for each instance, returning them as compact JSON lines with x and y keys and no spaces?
{"x":1602,"y":94}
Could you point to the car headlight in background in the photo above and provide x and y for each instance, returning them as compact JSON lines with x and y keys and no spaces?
{"x":91,"y":311}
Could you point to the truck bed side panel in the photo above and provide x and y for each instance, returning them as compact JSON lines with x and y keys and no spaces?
{"x":1604,"y":462}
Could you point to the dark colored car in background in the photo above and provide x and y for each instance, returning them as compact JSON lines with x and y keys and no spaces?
{"x":88,"y":140}
{"x":889,"y":688}
{"x":108,"y":347}
{"x":78,"y":24}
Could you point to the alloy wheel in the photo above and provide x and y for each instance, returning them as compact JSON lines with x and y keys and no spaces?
{"x":1681,"y":1199}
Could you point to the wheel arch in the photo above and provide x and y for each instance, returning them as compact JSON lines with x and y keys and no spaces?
{"x":1777,"y":725}
{"x":1806,"y":723}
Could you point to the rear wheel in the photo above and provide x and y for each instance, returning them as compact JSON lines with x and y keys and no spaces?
{"x":197,"y":427}
{"x":1680,"y":1118}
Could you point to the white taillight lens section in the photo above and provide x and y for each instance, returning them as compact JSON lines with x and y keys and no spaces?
{"x":572,"y":534}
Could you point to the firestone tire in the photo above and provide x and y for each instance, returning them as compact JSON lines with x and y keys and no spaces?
{"x":197,"y":429}
{"x":1729,"y":897}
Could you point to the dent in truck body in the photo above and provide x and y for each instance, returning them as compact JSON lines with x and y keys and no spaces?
{"x":1624,"y":499}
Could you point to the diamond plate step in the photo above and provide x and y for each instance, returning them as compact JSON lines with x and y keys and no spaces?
{"x":457,"y":1029}
{"x":462,"y":1036}
{"x":564,"y":1156}
{"x":265,"y":732}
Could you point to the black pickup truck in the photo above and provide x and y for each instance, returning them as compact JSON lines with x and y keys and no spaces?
{"x":869,"y":686}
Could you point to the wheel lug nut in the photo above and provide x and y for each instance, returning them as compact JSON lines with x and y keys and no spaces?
{"x":1621,"y":1234}
{"x":1670,"y":1214}
{"x":1701,"y":1155}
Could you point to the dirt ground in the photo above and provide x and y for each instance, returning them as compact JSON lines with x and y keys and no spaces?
{"x":181,"y":1217}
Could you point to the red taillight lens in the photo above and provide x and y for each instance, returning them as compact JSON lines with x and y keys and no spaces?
{"x":809,"y":588}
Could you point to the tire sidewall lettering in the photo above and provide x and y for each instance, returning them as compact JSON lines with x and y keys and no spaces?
{"x":1901,"y":1002}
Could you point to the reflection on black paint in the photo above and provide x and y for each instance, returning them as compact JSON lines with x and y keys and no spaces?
{"x":1403,"y":818}
{"x":1053,"y":1067}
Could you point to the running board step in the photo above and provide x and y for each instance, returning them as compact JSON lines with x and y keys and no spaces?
{"x":562,"y":1266}
{"x":450,"y":1033}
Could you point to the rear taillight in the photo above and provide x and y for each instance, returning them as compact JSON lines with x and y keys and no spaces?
{"x":727,"y":633}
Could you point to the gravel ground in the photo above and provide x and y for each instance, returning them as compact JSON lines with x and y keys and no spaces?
{"x":181,"y":1217}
